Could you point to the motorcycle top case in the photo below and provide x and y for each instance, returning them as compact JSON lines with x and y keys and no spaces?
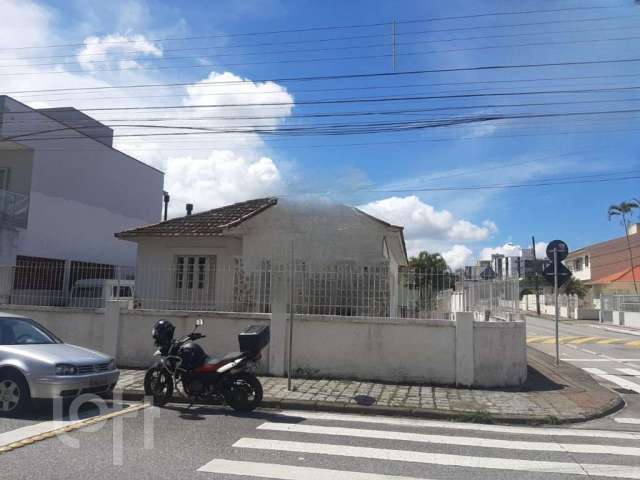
{"x":254,"y":338}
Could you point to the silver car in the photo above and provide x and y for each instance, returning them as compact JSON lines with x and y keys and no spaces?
{"x":35,"y":364}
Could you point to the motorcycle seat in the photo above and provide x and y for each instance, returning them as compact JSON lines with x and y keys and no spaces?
{"x":229,"y":357}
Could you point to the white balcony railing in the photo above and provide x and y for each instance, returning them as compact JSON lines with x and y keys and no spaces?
{"x":14,"y":209}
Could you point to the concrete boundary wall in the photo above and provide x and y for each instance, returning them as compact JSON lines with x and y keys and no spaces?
{"x":528,"y":303}
{"x":627,"y":319}
{"x":461,"y":351}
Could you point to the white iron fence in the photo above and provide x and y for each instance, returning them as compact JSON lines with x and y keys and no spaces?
{"x":199,"y":285}
{"x":492,"y":295}
{"x":620,"y":303}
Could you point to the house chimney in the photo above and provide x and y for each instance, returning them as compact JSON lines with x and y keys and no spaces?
{"x":189,"y":208}
{"x":165,"y":199}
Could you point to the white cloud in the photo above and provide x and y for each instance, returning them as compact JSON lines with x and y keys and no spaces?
{"x":207,"y":170}
{"x":23,"y":23}
{"x":228,"y":89}
{"x":508,"y":250}
{"x":223,"y":177}
{"x":430,"y":229}
{"x":541,"y":249}
{"x":458,"y":256}
{"x":512,"y":250}
{"x":96,"y":50}
{"x":422,"y":220}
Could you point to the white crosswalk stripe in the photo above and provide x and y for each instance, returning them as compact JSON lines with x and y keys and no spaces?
{"x":450,"y":439}
{"x":291,"y":472}
{"x":615,"y":379}
{"x":611,"y":471}
{"x":629,"y":371}
{"x":293,"y":433}
{"x":632,"y":421}
{"x":418,"y":423}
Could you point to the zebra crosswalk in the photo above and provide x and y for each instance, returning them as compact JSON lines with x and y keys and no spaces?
{"x":582,"y":340}
{"x":330,"y":446}
{"x":627,"y":378}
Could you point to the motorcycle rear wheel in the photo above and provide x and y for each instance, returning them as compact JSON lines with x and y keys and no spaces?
{"x":159,"y":385}
{"x":244,"y":392}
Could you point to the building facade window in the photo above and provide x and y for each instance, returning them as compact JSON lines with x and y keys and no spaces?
{"x":586,"y":260}
{"x":193,"y":272}
{"x":4,"y":179}
{"x":578,"y":264}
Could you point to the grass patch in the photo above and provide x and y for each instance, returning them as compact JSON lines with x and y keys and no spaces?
{"x":481,"y":416}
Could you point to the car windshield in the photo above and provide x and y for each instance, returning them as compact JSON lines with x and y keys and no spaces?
{"x":19,"y":331}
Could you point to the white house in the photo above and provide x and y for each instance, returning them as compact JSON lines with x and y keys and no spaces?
{"x":194,"y":260}
{"x":64,"y":190}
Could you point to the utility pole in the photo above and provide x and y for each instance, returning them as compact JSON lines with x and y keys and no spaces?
{"x":393,"y":44}
{"x":292,"y":276}
{"x":535,"y":270}
{"x":555,"y":292}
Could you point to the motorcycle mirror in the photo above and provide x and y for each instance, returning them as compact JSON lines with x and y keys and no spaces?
{"x":199,"y":322}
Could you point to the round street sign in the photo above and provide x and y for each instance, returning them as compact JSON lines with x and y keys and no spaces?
{"x":561,"y":248}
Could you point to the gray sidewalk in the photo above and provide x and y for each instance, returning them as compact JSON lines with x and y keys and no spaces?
{"x":550,"y":395}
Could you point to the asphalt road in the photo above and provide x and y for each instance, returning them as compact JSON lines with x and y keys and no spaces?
{"x":213,"y":443}
{"x":611,"y":355}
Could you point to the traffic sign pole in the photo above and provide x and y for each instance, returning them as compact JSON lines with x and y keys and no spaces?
{"x":555,"y":292}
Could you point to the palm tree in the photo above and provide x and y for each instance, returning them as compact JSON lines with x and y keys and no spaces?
{"x":623,"y":210}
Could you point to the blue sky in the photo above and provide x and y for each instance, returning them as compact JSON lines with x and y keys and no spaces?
{"x":385,"y":173}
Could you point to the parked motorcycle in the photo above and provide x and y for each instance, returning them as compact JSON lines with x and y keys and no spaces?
{"x":182,"y":364}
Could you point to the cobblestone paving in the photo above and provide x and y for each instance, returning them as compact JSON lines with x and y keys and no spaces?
{"x":558,"y":403}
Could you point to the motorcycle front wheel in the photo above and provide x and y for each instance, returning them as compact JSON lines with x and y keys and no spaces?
{"x":158,"y":384}
{"x":244,"y":392}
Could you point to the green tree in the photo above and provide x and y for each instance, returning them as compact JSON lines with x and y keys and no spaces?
{"x":427,"y":275}
{"x":624,"y":210}
{"x":575,"y":287}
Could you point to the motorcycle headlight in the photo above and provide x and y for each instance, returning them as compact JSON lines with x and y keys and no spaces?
{"x":64,"y":369}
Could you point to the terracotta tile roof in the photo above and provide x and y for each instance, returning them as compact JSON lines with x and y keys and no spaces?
{"x":204,"y":224}
{"x":624,"y":276}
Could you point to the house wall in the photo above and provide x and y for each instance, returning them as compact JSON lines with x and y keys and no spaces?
{"x":82,"y":191}
{"x":611,"y":257}
{"x":156,"y":264}
{"x":321,"y":234}
{"x":584,"y":274}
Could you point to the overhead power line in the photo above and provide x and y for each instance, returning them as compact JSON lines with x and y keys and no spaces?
{"x":321,"y":129}
{"x":326,"y":28}
{"x":200,"y":65}
{"x":137,"y":54}
{"x":376,"y":99}
{"x":352,"y":76}
{"x":66,"y":98}
{"x":506,"y":185}
{"x":295,"y":116}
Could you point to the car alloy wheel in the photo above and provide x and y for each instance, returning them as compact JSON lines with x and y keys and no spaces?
{"x":9,"y":395}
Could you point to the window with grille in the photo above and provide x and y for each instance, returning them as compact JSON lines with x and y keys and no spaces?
{"x":192,"y":272}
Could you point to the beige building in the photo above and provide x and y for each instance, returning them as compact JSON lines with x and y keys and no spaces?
{"x":222,"y":257}
{"x":606,"y":266}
